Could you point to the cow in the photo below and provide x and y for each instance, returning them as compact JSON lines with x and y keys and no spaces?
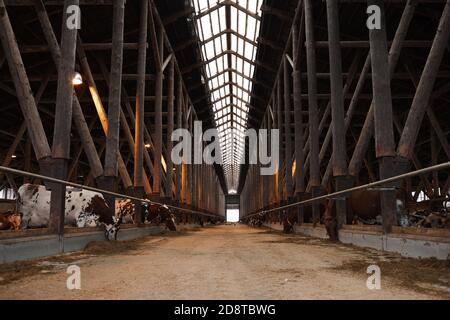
{"x":83,"y":208}
{"x":257,"y":220}
{"x":125,"y":210}
{"x":10,"y":220}
{"x":362,"y":205}
{"x":329,"y":220}
{"x":157,"y":213}
{"x":365,"y":204}
{"x":290,"y":215}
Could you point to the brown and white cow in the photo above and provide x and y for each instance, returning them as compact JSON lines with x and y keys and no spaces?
{"x":10,"y":220}
{"x":125,"y":211}
{"x":83,"y":208}
{"x":161,"y":214}
{"x":362,"y":206}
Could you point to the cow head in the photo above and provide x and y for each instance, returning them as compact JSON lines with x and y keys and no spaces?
{"x":111,"y":230}
{"x":11,"y":220}
{"x":170,"y":222}
{"x":166,"y":216}
{"x":15,"y":219}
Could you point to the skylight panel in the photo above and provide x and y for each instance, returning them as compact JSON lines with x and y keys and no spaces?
{"x":230,"y":91}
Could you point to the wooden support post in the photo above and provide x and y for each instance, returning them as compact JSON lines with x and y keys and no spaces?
{"x":140,"y":109}
{"x":268,"y":185}
{"x":192,"y":170}
{"x":424,"y":89}
{"x":78,"y":117}
{"x":383,"y":121}
{"x":348,"y":117}
{"x":314,"y":171}
{"x":63,"y":122}
{"x":279,"y":105}
{"x":297,"y":40}
{"x":147,"y":136}
{"x":115,"y":89}
{"x":287,"y":128}
{"x":298,"y":115}
{"x":185,"y":173}
{"x":124,"y":175}
{"x":347,"y":86}
{"x":157,"y":167}
{"x":126,"y":128}
{"x":179,"y":168}
{"x":339,"y":157}
{"x":158,"y":47}
{"x":23,"y":89}
{"x":394,"y":54}
{"x":170,"y":124}
{"x":337,"y":100}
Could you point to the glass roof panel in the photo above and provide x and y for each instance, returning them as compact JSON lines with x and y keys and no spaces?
{"x":229,"y":51}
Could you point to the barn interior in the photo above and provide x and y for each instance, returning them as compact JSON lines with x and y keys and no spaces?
{"x":354,"y":118}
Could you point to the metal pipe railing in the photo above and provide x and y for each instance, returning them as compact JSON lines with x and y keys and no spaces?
{"x":114,"y":194}
{"x":361,"y":187}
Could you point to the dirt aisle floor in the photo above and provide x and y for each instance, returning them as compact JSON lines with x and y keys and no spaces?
{"x":226,"y":262}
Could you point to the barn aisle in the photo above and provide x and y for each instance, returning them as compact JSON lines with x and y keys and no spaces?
{"x":228,"y":262}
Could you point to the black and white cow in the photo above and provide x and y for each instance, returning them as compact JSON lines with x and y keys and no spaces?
{"x":83,"y":208}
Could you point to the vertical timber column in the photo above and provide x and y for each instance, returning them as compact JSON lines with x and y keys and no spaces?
{"x":184,"y":176}
{"x":192,"y":165}
{"x":115,"y":89}
{"x":367,"y":130}
{"x":140,"y":111}
{"x":287,"y":128}
{"x":170,"y":124}
{"x":178,"y":172}
{"x":298,"y":121}
{"x":314,"y":173}
{"x":337,"y":110}
{"x":384,"y":129}
{"x":23,"y":89}
{"x":78,"y":117}
{"x":266,"y":178}
{"x":273,"y":179}
{"x":279,"y":104}
{"x":157,"y":167}
{"x":63,"y":122}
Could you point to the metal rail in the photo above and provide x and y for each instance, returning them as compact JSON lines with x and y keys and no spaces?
{"x":118,"y":195}
{"x":365,"y":186}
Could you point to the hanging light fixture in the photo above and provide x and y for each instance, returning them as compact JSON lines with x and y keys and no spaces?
{"x":77,"y":79}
